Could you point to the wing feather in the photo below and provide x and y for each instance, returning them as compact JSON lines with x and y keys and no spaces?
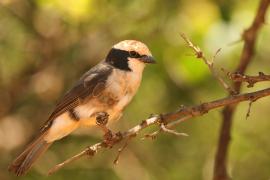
{"x":92,"y":80}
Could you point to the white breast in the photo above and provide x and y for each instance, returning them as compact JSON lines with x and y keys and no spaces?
{"x":124,"y":85}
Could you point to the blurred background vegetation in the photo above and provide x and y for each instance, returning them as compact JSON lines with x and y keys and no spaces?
{"x":45,"y":45}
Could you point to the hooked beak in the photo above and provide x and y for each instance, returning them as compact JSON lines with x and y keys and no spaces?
{"x":148,"y":59}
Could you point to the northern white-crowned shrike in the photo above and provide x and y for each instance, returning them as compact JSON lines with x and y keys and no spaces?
{"x":106,"y":88}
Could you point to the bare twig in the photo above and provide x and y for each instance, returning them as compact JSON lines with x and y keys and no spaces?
{"x":199,"y":54}
{"x":249,"y":36}
{"x":90,"y":151}
{"x":251,"y":80}
{"x":168,"y":119}
{"x":120,"y":150}
{"x":152,"y":135}
{"x":164,"y":128}
{"x":170,"y":131}
{"x":249,"y":109}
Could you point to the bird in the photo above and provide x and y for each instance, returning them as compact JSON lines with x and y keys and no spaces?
{"x":101,"y":93}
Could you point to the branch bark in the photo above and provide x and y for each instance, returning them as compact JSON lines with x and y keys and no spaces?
{"x":251,"y":80}
{"x":164,"y":121}
{"x":249,"y":36}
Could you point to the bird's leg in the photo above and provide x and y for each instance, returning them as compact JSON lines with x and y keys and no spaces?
{"x":109,"y":137}
{"x":102,"y":120}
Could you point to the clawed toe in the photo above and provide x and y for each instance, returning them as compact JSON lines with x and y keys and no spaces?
{"x":102,"y":118}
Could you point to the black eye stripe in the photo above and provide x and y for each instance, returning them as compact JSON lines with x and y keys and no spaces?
{"x":123,"y":54}
{"x":119,"y":58}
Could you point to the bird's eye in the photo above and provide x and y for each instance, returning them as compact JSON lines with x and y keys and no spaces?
{"x":133,"y":54}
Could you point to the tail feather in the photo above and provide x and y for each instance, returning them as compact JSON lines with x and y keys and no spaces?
{"x":26,"y":159}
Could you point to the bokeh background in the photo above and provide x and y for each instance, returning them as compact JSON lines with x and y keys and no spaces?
{"x":45,"y":45}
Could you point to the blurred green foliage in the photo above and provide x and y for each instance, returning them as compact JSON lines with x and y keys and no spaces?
{"x":45,"y":45}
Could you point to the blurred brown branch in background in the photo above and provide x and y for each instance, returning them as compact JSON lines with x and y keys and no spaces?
{"x":249,"y":37}
{"x":26,"y":18}
{"x":41,"y":51}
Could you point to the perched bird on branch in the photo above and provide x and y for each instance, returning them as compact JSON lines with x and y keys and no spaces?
{"x":99,"y":96}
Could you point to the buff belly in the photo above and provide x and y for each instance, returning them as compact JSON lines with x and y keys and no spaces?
{"x":64,"y":124}
{"x":61,"y":126}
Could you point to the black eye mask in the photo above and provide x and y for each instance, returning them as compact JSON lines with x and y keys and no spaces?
{"x":119,"y":58}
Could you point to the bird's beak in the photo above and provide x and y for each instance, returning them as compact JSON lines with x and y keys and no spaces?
{"x":148,"y":59}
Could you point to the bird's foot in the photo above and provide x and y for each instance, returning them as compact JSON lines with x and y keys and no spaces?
{"x":111,"y":138}
{"x":102,"y":118}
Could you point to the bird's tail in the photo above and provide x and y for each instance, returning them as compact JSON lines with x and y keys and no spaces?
{"x":26,"y":159}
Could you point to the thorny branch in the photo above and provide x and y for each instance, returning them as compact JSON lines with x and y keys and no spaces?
{"x":249,"y":37}
{"x":166,"y":120}
{"x":251,"y":80}
{"x":199,"y":54}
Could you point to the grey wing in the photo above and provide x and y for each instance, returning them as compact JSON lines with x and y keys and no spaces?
{"x":92,"y":80}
